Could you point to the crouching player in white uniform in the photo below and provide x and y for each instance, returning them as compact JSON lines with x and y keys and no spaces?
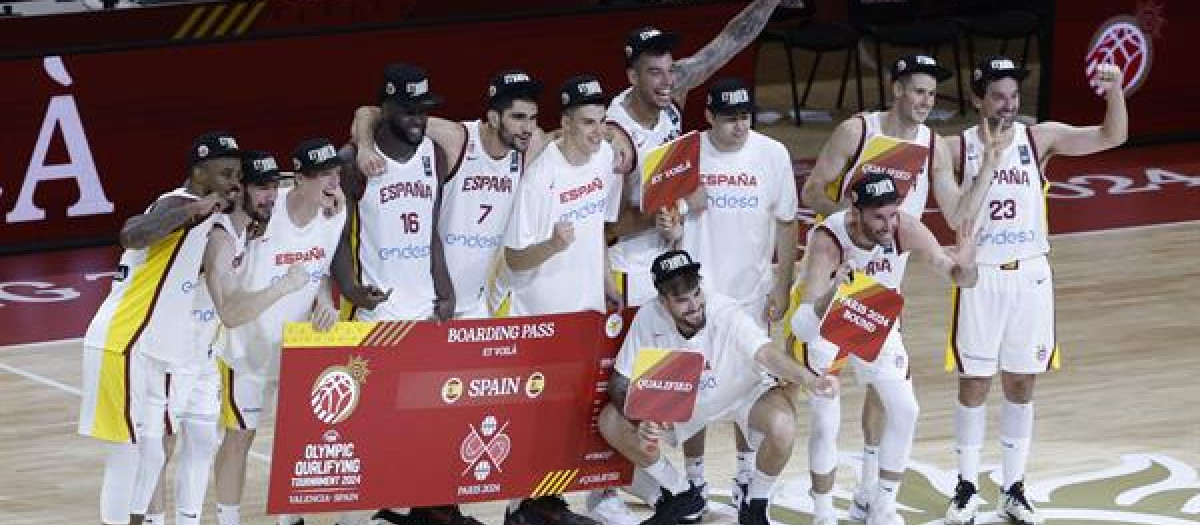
{"x":305,"y":227}
{"x":874,"y":237}
{"x":738,"y":356}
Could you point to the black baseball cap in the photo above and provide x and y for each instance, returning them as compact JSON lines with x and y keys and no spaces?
{"x":582,"y":90}
{"x":259,"y":168}
{"x":730,"y":95}
{"x":994,"y":67}
{"x":407,"y":84}
{"x":672,"y":263}
{"x":315,"y":154}
{"x":910,"y":64}
{"x":648,"y":38}
{"x":513,"y":82}
{"x":214,"y":145}
{"x":874,"y":190}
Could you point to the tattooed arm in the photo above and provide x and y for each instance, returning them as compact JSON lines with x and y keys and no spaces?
{"x":166,"y":216}
{"x":737,"y":34}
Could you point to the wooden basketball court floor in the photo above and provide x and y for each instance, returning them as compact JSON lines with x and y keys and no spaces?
{"x":1123,"y":409}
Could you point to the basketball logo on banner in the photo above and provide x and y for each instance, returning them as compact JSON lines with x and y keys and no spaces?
{"x":336,"y":391}
{"x":1125,"y":41}
{"x":490,"y":441}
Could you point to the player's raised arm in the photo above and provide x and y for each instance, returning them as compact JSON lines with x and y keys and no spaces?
{"x":167,"y":215}
{"x":831,"y":162}
{"x":234,"y":305}
{"x":447,"y":133}
{"x":821,"y":275}
{"x":957,"y":264}
{"x":1056,"y":138}
{"x":735,"y":36}
{"x":962,"y":203}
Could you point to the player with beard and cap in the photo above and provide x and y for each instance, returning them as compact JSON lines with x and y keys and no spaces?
{"x":490,"y":155}
{"x":306,"y":226}
{"x":899,"y":143}
{"x":1006,"y":324}
{"x":145,"y":326}
{"x":738,"y":356}
{"x":876,"y":237}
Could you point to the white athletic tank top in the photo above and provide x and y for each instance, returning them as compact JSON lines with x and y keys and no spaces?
{"x":204,"y":311}
{"x":255,"y":345}
{"x":476,"y":206}
{"x":634,"y":253}
{"x":150,"y":303}
{"x":904,"y":160}
{"x":394,"y":230}
{"x":1012,"y":220}
{"x":884,"y":264}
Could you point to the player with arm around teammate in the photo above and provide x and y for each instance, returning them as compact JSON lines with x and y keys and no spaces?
{"x":873,"y":237}
{"x":1006,"y":323}
{"x":738,"y":355}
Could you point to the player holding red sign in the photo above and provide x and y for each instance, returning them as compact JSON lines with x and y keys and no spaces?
{"x":739,"y":355}
{"x":874,"y":237}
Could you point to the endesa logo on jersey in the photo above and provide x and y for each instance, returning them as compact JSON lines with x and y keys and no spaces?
{"x":472,"y":240}
{"x":1002,"y":237}
{"x":732,"y":200}
{"x":410,"y":251}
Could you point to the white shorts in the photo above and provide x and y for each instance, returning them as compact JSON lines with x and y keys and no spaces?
{"x":112,"y":394}
{"x":738,"y":414}
{"x":244,"y":398}
{"x":1005,"y":322}
{"x":892,"y":362}
{"x":194,"y":393}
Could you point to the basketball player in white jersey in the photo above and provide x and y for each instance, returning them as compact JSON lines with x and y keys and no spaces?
{"x":305,"y":227}
{"x":896,"y":142}
{"x":874,"y":236}
{"x":1006,"y":323}
{"x":491,"y":154}
{"x":145,"y":324}
{"x":738,"y":355}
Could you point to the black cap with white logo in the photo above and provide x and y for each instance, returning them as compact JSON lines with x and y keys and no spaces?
{"x":874,"y":190}
{"x":730,"y":95}
{"x":994,"y":67}
{"x":513,"y":83}
{"x":214,"y":145}
{"x":912,"y":64}
{"x":647,"y":38}
{"x":581,"y":90}
{"x":407,"y":84}
{"x":259,"y":168}
{"x":672,"y":263}
{"x":314,"y":155}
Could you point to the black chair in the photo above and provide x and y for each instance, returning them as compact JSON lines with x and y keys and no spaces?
{"x":1003,"y":26}
{"x":901,"y":24}
{"x":817,"y":38}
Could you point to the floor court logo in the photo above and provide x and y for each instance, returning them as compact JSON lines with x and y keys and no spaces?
{"x":1147,"y":489}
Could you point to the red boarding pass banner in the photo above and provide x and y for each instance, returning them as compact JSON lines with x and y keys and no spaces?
{"x":671,"y":172}
{"x":663,"y":389}
{"x":862,"y":314}
{"x":482,"y":409}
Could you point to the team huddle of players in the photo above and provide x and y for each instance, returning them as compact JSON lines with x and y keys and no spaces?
{"x":426,"y":218}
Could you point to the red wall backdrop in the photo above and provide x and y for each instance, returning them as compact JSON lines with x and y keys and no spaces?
{"x":1165,"y":102}
{"x":140,"y":108}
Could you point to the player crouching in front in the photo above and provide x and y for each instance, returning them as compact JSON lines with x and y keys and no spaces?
{"x":736,"y":387}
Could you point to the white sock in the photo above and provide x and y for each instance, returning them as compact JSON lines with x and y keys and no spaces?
{"x":514,"y":504}
{"x":694,"y":467}
{"x":745,"y":466}
{"x":760,"y":485}
{"x":1016,"y":429}
{"x":151,"y":458}
{"x":644,"y":487}
{"x":229,"y":514}
{"x":157,"y":519}
{"x":887,"y":491}
{"x":822,"y":503}
{"x":197,"y":446}
{"x":970,"y":424}
{"x":120,"y":475}
{"x":870,"y":465}
{"x":667,"y":475}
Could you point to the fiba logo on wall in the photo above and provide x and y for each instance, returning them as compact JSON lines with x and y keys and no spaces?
{"x":336,"y":391}
{"x":1125,"y":41}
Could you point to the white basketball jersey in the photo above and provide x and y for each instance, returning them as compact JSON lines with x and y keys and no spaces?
{"x":885,"y":264}
{"x":476,"y":205}
{"x":634,"y":253}
{"x":915,"y":199}
{"x":554,"y":191}
{"x":1012,"y":220}
{"x":255,"y":345}
{"x":748,"y":191}
{"x":393,"y":237}
{"x":204,"y":311}
{"x":150,"y":303}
